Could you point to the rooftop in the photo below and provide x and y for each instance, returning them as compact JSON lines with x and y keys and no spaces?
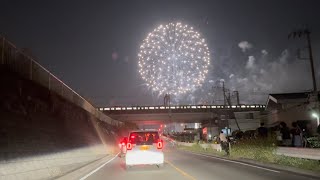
{"x":275,"y":100}
{"x":300,"y":95}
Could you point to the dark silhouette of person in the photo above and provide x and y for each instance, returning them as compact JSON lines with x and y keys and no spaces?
{"x":296,"y":135}
{"x":285,"y":134}
{"x":262,"y":131}
{"x":150,"y":138}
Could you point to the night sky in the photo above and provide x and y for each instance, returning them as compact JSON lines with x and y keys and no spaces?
{"x":93,"y":45}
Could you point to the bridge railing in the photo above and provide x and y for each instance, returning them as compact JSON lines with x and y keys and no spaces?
{"x":29,"y":68}
{"x":135,"y":108}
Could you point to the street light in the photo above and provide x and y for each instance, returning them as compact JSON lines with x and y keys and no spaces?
{"x":315,"y":115}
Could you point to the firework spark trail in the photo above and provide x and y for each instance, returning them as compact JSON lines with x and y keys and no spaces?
{"x":174,"y":59}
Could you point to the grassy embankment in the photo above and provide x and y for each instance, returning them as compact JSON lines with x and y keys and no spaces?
{"x":258,"y":150}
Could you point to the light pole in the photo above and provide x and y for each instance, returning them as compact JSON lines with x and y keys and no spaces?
{"x":315,"y":115}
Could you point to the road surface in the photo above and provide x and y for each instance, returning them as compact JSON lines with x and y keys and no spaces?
{"x":188,"y":166}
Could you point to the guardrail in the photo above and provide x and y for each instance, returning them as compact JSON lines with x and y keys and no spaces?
{"x":26,"y":66}
{"x":125,"y":108}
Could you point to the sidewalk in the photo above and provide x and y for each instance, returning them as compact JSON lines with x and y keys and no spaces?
{"x":306,"y":153}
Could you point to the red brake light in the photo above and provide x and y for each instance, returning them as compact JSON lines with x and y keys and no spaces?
{"x":132,"y":137}
{"x":159,"y":144}
{"x":129,"y":146}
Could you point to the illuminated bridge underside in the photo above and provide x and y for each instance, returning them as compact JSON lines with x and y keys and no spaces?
{"x":158,"y":118}
{"x":161,"y":114}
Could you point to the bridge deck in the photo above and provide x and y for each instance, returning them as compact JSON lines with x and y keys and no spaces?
{"x":180,"y":109}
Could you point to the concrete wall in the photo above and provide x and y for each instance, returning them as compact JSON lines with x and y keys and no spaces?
{"x":26,"y":66}
{"x":42,"y":135}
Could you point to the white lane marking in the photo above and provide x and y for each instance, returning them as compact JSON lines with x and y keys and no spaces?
{"x":236,"y":162}
{"x":86,"y":176}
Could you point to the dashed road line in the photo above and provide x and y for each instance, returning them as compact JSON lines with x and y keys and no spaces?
{"x":181,"y":171}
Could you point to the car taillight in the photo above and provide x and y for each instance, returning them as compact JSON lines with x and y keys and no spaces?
{"x":122,"y":144}
{"x":129,"y":146}
{"x":159,"y":144}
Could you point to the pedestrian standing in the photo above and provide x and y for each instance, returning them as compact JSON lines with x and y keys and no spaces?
{"x":224,"y":142}
{"x":296,"y":135}
{"x":262,"y":131}
{"x":285,"y":134}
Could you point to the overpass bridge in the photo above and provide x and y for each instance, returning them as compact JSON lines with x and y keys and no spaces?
{"x":176,"y":113}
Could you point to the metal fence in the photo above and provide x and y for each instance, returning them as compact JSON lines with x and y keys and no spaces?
{"x":26,"y":66}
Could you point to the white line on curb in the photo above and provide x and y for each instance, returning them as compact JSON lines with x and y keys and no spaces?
{"x":86,"y":176}
{"x":237,"y":162}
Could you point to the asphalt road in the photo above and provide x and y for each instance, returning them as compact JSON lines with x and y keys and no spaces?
{"x":183,"y":165}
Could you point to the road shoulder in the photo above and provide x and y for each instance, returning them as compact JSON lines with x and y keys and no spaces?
{"x":85,"y":170}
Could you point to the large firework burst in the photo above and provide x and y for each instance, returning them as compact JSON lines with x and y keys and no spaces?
{"x":174,"y":59}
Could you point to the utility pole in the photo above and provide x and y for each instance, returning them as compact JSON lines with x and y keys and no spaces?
{"x":226,"y":97}
{"x":237,"y":97}
{"x":166,"y":100}
{"x":311,"y":62}
{"x":224,"y":94}
{"x":306,"y":34}
{"x":313,"y":99}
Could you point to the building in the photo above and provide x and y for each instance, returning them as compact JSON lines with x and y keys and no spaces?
{"x":243,"y":121}
{"x":180,"y":127}
{"x":293,"y":107}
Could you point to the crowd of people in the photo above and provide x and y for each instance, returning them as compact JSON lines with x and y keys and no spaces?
{"x":291,"y":137}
